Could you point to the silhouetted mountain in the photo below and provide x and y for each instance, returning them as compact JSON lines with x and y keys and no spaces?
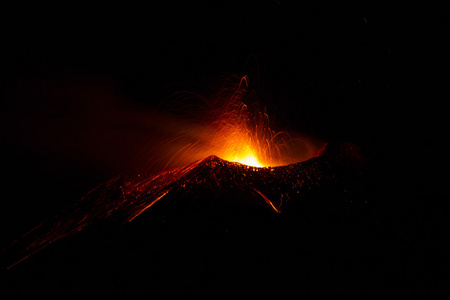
{"x":219,"y":229}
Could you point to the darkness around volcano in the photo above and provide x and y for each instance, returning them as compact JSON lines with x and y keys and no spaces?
{"x":324,"y":72}
{"x":327,"y":72}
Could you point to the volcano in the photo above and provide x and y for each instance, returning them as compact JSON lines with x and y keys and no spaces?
{"x":212,"y":229}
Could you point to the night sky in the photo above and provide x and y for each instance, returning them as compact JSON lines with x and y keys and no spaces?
{"x":328,"y":72}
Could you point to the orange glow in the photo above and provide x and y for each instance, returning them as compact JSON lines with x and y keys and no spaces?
{"x":246,"y":157}
{"x":228,"y":123}
{"x":244,"y":134}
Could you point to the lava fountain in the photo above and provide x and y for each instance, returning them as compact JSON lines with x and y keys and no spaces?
{"x":231,"y":125}
{"x":242,"y":136}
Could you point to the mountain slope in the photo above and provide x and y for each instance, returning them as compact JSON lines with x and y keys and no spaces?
{"x":217,"y":229}
{"x":227,"y":184}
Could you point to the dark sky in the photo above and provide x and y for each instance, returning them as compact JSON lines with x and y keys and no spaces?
{"x":80,"y":85}
{"x":325,"y":71}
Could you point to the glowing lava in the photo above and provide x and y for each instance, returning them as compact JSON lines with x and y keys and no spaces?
{"x":228,"y":122}
{"x":243,"y":131}
{"x":247,"y":158}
